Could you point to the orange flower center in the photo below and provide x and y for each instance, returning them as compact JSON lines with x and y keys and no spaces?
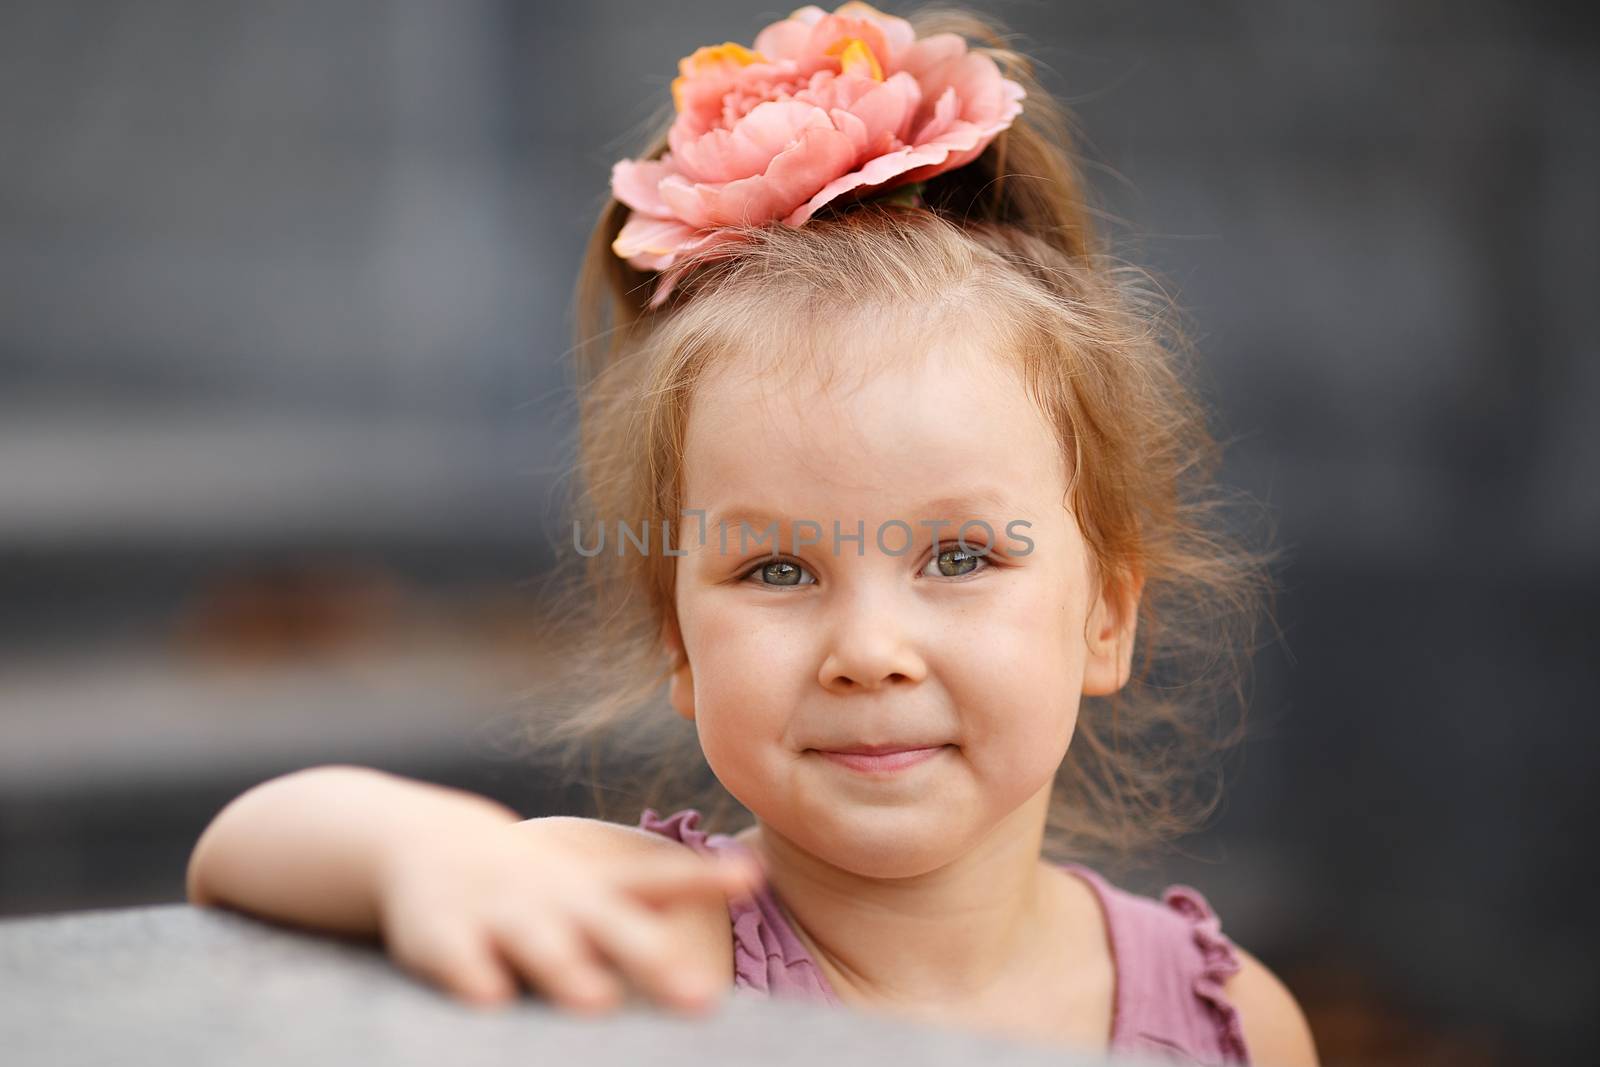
{"x":856,"y":58}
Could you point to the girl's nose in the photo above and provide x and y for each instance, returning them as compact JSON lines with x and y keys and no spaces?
{"x":871,"y":644}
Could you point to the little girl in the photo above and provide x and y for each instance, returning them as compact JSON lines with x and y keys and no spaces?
{"x":885,"y":475}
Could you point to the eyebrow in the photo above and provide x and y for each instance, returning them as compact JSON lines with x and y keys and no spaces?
{"x":965,"y":502}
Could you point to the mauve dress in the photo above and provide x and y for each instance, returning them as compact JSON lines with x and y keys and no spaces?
{"x":1171,"y":959}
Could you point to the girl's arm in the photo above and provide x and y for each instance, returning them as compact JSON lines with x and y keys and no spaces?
{"x":463,"y":893}
{"x":309,"y":847}
{"x":1275,"y":1029}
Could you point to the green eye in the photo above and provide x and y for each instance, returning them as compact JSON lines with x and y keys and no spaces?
{"x":779,"y":572}
{"x":955,"y":562}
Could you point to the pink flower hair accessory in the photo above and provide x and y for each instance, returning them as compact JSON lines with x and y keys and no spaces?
{"x":823,"y":106}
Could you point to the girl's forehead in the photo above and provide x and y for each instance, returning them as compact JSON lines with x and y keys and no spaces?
{"x":867,"y":422}
{"x":836,"y":355}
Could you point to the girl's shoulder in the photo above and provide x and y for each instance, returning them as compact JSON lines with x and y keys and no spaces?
{"x":1173,"y":964}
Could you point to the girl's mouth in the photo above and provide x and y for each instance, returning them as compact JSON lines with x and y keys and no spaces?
{"x":883,"y":762}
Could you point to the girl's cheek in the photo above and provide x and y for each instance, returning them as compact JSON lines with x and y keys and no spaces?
{"x":748,"y":667}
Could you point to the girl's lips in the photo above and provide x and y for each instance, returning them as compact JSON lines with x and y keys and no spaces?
{"x":884,"y":762}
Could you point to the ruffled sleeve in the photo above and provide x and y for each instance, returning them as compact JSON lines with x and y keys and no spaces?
{"x":680,"y":826}
{"x":769,"y":959}
{"x":1219,"y":961}
{"x":1172,"y":961}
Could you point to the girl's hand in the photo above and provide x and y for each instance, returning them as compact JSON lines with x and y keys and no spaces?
{"x":576,"y":908}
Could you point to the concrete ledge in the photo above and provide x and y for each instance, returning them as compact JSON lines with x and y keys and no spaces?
{"x":175,"y":984}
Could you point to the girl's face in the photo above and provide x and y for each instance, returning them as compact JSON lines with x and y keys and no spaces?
{"x":799,"y":647}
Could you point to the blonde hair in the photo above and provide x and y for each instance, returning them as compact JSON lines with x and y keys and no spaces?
{"x":1007,"y":238}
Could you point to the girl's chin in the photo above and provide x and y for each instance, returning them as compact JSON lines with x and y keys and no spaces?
{"x":880,"y":841}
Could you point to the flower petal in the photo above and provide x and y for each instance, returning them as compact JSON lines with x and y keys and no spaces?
{"x":855,"y":129}
{"x":728,"y":155}
{"x":711,"y":60}
{"x":893,"y":165}
{"x":788,"y":39}
{"x":945,"y":112}
{"x":857,"y":60}
{"x":979,"y":86}
{"x":816,"y":158}
{"x":832,"y":35}
{"x":888,"y":108}
{"x":931,"y":52}
{"x":650,"y":243}
{"x":897,"y":33}
{"x":634,"y":183}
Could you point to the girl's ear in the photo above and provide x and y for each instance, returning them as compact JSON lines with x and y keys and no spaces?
{"x":681,"y":689}
{"x":1109,"y":633}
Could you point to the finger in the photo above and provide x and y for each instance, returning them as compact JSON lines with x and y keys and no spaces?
{"x":646,"y":948}
{"x":551,"y":952}
{"x":659,"y":879}
{"x":457,"y":958}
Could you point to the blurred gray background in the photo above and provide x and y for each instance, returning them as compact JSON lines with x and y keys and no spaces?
{"x":283,"y":415}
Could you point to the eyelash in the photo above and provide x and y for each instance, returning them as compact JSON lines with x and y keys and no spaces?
{"x":979,"y":552}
